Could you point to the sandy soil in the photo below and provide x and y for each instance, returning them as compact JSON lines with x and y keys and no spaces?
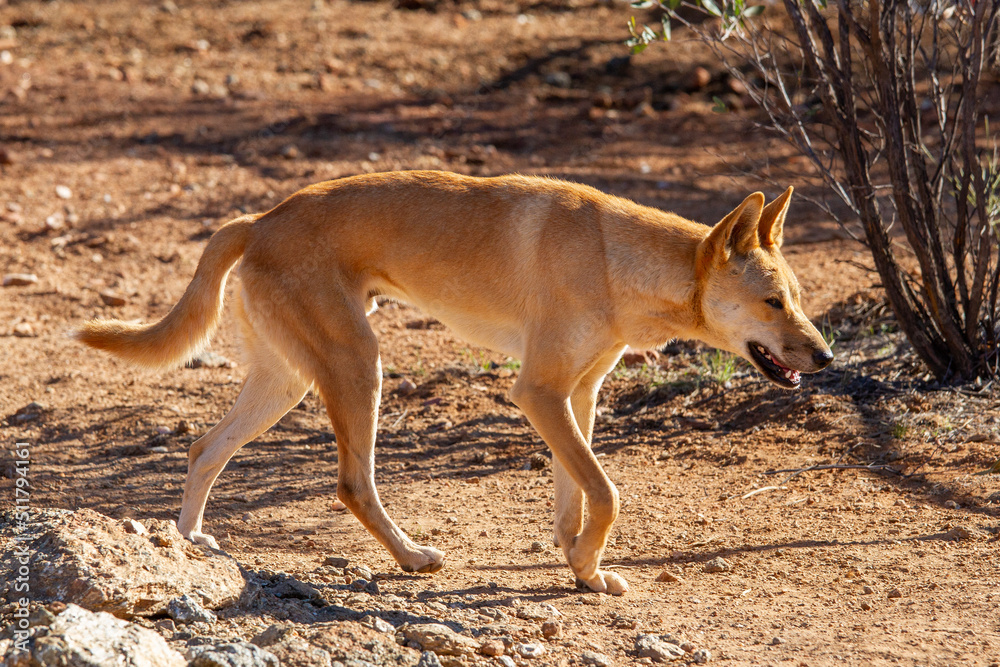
{"x":164,"y":120}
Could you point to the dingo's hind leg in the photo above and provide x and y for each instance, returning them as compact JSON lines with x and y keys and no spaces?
{"x":271,"y":389}
{"x":349,"y":379}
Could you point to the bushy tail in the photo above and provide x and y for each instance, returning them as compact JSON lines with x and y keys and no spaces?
{"x":190,"y":323}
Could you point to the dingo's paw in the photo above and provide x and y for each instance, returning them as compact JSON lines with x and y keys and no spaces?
{"x":202,"y":538}
{"x":424,"y":560}
{"x":605,"y":582}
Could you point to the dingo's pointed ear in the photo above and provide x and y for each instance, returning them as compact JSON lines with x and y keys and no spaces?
{"x":737,"y":232}
{"x":772,"y":220}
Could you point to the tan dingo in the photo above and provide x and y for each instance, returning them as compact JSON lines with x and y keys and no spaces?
{"x":559,"y":275}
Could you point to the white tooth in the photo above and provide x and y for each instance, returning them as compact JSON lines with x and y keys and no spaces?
{"x":788,"y":375}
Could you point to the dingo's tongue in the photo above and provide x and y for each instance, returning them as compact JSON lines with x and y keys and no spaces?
{"x":790,"y":374}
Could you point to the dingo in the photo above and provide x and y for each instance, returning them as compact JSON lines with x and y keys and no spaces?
{"x":556,"y":274}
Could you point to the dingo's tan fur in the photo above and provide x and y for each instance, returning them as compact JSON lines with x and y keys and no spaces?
{"x":559,"y":275}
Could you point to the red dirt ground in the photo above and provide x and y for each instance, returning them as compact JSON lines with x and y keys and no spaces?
{"x":165,"y":120}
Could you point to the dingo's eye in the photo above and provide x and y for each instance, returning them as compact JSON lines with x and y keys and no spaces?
{"x":775,"y":303}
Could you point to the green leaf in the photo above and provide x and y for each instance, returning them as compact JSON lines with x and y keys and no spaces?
{"x":638,"y":48}
{"x":674,"y":4}
{"x":719,"y":106}
{"x":665,"y":22}
{"x":711,"y":7}
{"x":642,"y":4}
{"x":756,"y":10}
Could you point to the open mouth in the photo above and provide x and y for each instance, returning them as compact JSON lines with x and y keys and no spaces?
{"x":773,"y":369}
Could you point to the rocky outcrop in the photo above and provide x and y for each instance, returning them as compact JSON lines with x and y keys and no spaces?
{"x":81,"y":638}
{"x":91,"y":560}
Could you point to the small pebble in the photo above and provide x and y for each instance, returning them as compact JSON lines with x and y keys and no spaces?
{"x":959,"y":533}
{"x":698,"y":78}
{"x":552,"y":629}
{"x":492,"y":647}
{"x":63,"y":192}
{"x":530,"y":650}
{"x":362,"y":571}
{"x":701,"y":656}
{"x":23,"y":330}
{"x":428,"y":659}
{"x":187,"y":609}
{"x":536,"y":548}
{"x":718,"y":564}
{"x":538,"y":462}
{"x":668,"y":577}
{"x":895,"y":593}
{"x":134,"y":527}
{"x":112,"y":299}
{"x":209,"y":359}
{"x":595,"y":659}
{"x":336,"y":561}
{"x":166,"y":626}
{"x":776,"y":641}
{"x":406,"y":387}
{"x":865,"y":605}
{"x":19,"y":279}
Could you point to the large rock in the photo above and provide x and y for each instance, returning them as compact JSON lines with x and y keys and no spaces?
{"x":90,"y":560}
{"x":80,"y":638}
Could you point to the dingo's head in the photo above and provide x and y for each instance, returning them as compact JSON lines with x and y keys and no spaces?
{"x":750,"y":298}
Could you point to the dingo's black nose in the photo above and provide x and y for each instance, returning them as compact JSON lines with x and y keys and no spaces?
{"x":822,"y":358}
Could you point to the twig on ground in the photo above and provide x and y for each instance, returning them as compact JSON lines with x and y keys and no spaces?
{"x":874,"y":467}
{"x":760,"y":490}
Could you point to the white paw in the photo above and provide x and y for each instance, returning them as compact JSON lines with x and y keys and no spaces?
{"x":606,"y":582}
{"x":424,"y":559}
{"x":202,"y":538}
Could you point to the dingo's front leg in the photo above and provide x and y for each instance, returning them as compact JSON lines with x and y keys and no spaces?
{"x":550,"y":411}
{"x":568,"y":496}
